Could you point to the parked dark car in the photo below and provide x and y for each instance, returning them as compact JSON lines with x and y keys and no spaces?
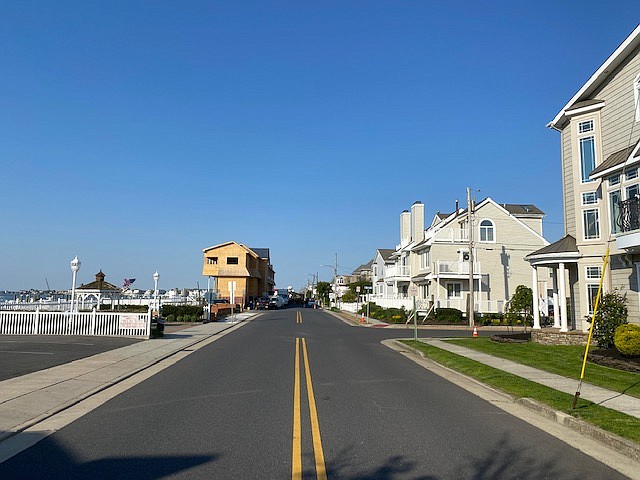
{"x":262,"y":303}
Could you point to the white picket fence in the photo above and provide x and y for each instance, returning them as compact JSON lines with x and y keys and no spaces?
{"x":108,"y":324}
{"x":65,"y":305}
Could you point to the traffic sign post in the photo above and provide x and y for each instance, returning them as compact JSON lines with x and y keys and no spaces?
{"x":413,"y":291}
{"x":368,"y":289}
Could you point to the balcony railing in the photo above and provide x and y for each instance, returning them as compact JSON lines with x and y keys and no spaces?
{"x":452,"y":235}
{"x":397,"y":271}
{"x":629,"y":217}
{"x":457,"y":268}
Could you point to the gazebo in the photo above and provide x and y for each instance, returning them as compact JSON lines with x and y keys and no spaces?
{"x":95,"y":292}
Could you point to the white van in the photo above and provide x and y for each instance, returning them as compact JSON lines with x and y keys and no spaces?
{"x":275,"y":301}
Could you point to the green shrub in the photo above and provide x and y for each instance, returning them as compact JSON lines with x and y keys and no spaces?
{"x":127,"y":308}
{"x":181,"y":310}
{"x":171,"y":318}
{"x":395,"y":315}
{"x":448,"y":315}
{"x":612,"y":312}
{"x":180,"y":318}
{"x":627,"y":340}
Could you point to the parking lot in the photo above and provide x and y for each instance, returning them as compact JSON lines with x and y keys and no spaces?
{"x":22,"y":354}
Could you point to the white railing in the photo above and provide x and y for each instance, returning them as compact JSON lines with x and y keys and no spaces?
{"x":57,"y":306}
{"x":67,"y":323}
{"x":457,"y":268}
{"x":397,"y":271}
{"x":483,"y":306}
{"x":452,"y":235}
{"x":64,"y":306}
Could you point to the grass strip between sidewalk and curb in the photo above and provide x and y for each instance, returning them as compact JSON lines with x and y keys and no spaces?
{"x":625,"y":426}
{"x":564,"y":360}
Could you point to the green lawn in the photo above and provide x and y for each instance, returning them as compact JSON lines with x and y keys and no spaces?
{"x":623,"y":425}
{"x":563,"y":360}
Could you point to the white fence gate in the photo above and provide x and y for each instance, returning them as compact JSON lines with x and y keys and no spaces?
{"x":106,"y":324}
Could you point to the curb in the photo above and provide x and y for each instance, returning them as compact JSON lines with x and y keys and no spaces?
{"x":627,"y":447}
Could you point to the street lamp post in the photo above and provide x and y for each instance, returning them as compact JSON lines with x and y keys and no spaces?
{"x":156,"y":277}
{"x":75,"y":266}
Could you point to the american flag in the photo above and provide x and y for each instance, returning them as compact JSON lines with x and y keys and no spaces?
{"x":128,"y":282}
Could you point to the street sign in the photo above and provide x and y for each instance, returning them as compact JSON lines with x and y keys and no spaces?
{"x":413,"y":291}
{"x":232,"y":292}
{"x":358,"y":289}
{"x":367,"y":287}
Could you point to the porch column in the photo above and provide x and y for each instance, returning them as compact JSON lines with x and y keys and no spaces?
{"x":563,"y":299}
{"x":536,"y":305}
{"x":556,"y":304}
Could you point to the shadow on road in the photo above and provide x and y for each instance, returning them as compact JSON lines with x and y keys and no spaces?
{"x":51,"y":460}
{"x":501,"y":461}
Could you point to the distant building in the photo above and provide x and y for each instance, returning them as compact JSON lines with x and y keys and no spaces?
{"x":235,"y":267}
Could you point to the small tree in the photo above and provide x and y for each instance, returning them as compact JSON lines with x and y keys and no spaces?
{"x":323,"y":291}
{"x":349,"y":296}
{"x":612,"y":312}
{"x":521,"y":304}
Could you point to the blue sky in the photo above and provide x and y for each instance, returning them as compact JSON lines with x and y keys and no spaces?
{"x":135,"y":134}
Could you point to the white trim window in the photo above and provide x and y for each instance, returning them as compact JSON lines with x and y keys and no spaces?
{"x":590,"y":198}
{"x":487,"y":231}
{"x":425,"y":259}
{"x":454,"y":290}
{"x":587,"y":157}
{"x":592,"y":273}
{"x":614,"y":180}
{"x":585,"y":127}
{"x":591,"y":224}
{"x":631,"y":174}
{"x":615,"y":198}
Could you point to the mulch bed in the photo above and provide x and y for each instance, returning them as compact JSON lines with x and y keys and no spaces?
{"x":512,"y":337}
{"x":613,"y":359}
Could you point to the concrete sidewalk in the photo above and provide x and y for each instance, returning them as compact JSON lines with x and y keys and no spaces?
{"x":601,"y":396}
{"x":31,"y":398}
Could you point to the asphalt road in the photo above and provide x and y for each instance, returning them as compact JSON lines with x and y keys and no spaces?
{"x":229,"y":411}
{"x":22,"y":354}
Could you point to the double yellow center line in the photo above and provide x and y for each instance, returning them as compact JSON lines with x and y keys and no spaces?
{"x":298,"y":316}
{"x":296,"y":464}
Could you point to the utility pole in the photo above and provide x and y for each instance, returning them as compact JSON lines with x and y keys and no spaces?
{"x":470,"y":226}
{"x":335,"y":281}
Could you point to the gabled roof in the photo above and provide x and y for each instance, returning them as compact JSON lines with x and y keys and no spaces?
{"x":386,"y":253}
{"x":249,"y":251}
{"x":597,"y":79}
{"x":502,"y":207}
{"x":363,"y":267}
{"x":522,"y":210}
{"x":616,"y":160}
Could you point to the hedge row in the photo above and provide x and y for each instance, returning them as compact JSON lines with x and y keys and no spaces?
{"x":181,"y":311}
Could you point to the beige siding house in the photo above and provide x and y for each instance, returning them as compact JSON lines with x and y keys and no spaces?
{"x":599,"y":130}
{"x":435,"y":263}
{"x":503,"y":235}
